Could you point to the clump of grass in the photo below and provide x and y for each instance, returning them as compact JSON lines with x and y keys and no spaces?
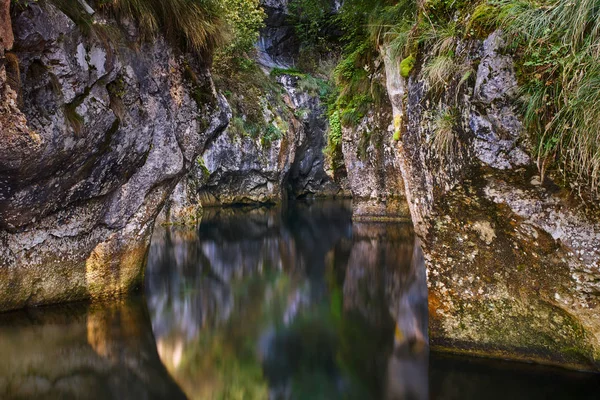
{"x":393,"y":25}
{"x":560,"y":74}
{"x":440,"y":70}
{"x":194,"y":24}
{"x":444,"y":137}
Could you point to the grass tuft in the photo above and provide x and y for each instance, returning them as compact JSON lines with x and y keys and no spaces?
{"x":560,"y":76}
{"x":444,"y":137}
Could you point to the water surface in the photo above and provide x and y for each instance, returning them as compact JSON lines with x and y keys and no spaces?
{"x":258,"y":304}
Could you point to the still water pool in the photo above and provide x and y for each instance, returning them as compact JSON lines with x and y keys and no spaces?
{"x":264,"y":304}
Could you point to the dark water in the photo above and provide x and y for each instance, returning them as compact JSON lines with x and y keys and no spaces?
{"x":259,"y":304}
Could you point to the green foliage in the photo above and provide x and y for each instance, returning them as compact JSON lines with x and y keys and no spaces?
{"x":202,"y":165}
{"x":483,"y":20}
{"x":308,"y":83}
{"x":275,"y":72}
{"x":310,"y":19}
{"x":334,"y":140}
{"x":315,"y":86}
{"x":407,"y":65}
{"x":245,"y":19}
{"x":315,"y":27}
{"x":272,"y":133}
{"x":393,"y":25}
{"x":358,"y":76}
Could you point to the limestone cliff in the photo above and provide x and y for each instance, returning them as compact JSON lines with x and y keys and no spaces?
{"x":512,"y":262}
{"x":373,"y":166}
{"x":276,"y":157}
{"x":103,"y":133}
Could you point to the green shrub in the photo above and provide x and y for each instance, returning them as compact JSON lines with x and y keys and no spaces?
{"x":271,"y":134}
{"x":245,"y":18}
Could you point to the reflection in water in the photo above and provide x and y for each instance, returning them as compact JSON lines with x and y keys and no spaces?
{"x":82,"y":352}
{"x":299,"y":304}
{"x":259,"y":304}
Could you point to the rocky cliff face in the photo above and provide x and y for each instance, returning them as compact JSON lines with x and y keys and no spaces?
{"x":103,"y":134}
{"x":243,"y":170}
{"x":373,"y":166}
{"x":284,"y":158}
{"x":513,"y":262}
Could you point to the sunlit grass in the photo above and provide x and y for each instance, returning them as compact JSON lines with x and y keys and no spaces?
{"x":195,"y":25}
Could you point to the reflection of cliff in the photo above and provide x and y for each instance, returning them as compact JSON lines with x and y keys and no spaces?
{"x":385,"y":284}
{"x":101,"y":352}
{"x":271,"y":301}
{"x":213,"y":291}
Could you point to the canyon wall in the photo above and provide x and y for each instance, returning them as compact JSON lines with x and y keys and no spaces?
{"x":95,"y":134}
{"x":279,"y":157}
{"x":512,"y":262}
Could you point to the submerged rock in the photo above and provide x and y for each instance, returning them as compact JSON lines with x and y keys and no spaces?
{"x":104,"y":135}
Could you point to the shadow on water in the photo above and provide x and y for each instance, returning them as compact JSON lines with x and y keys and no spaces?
{"x":259,"y":304}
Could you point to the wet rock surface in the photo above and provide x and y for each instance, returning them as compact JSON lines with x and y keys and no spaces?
{"x":104,"y":135}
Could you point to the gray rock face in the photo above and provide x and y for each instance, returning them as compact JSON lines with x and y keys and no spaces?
{"x":512,"y":264}
{"x":278,"y":45}
{"x":494,"y":122}
{"x":242,"y":170}
{"x":105,"y":134}
{"x":373,"y":165}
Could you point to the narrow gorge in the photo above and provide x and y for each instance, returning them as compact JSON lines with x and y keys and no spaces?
{"x":438,"y":116}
